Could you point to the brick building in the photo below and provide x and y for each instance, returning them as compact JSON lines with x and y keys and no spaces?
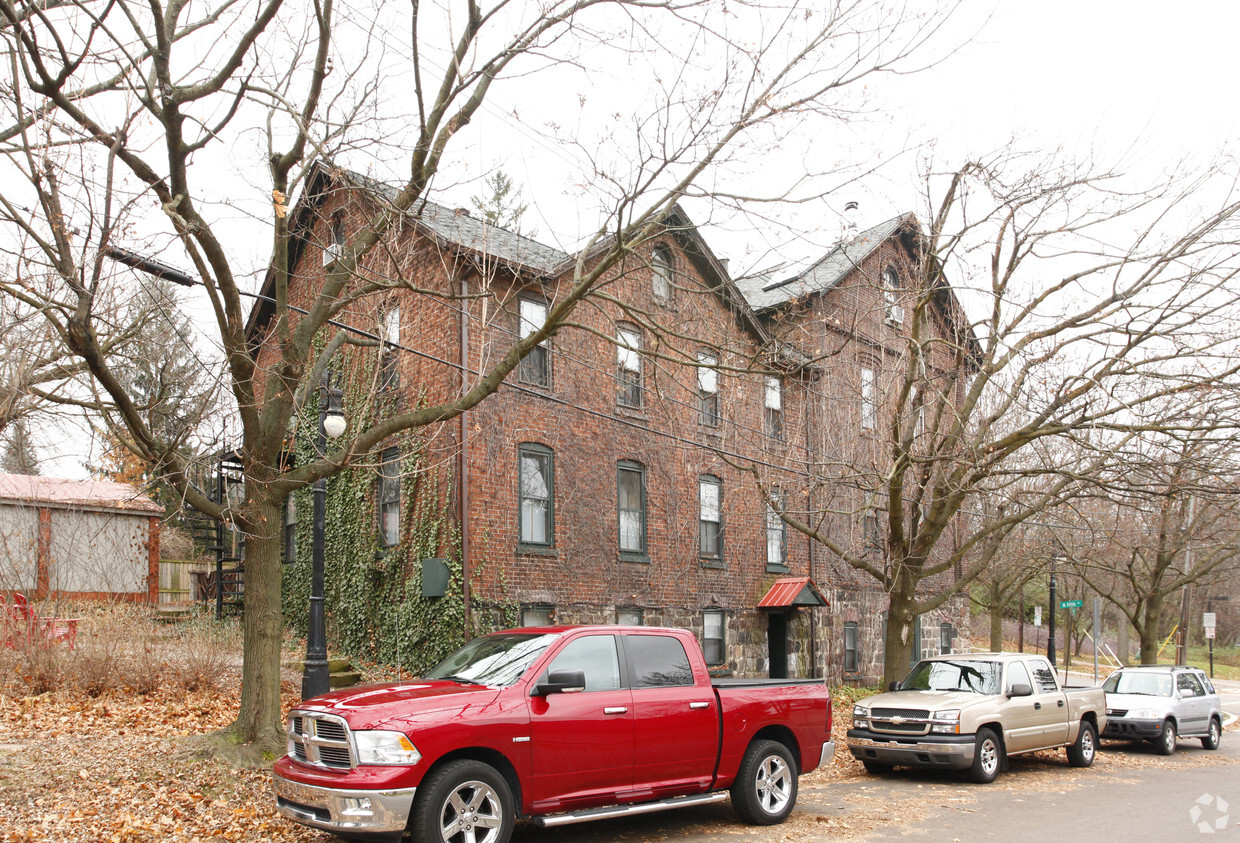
{"x":618,"y":475}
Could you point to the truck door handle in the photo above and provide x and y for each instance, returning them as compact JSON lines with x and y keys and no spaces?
{"x":1037,"y":706}
{"x":615,"y":709}
{"x":1061,"y":703}
{"x":699,"y":705}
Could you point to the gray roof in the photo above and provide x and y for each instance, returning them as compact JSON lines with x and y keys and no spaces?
{"x":461,"y":228}
{"x":765,"y":290}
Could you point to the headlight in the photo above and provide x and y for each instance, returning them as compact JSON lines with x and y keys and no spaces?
{"x":1142,"y":713}
{"x":860,"y":711}
{"x":946,"y":722}
{"x":376,"y":747}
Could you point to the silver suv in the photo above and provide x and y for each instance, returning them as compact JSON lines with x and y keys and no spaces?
{"x":1159,"y":703}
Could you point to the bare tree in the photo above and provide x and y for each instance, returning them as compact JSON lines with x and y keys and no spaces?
{"x":119,"y":113}
{"x":1088,"y":315}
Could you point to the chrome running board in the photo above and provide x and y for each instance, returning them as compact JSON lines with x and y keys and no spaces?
{"x":629,"y":810}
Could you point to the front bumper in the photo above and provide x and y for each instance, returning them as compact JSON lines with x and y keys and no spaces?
{"x":948,"y":751}
{"x":382,"y":813}
{"x":1131,"y":728}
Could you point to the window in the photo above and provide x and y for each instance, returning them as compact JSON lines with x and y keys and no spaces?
{"x":535,"y":367}
{"x":335,"y":242}
{"x":536,"y":491}
{"x":596,"y":657}
{"x":891,"y":295}
{"x":629,"y":368}
{"x":776,"y":537}
{"x":713,"y":637}
{"x":629,"y":617}
{"x":661,"y":273}
{"x":1187,"y":682}
{"x":631,"y":505}
{"x":708,"y":388}
{"x":1017,"y":675}
{"x":1043,"y":676}
{"x":710,"y":517}
{"x":389,"y":498}
{"x":657,"y":661}
{"x":389,"y":334}
{"x":869,"y":407}
{"x":290,"y":529}
{"x":538,"y":614}
{"x":945,"y":638}
{"x":774,"y":403}
{"x":852,"y":638}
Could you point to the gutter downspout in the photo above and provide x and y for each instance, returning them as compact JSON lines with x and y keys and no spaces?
{"x":463,"y":458}
{"x":809,"y":507}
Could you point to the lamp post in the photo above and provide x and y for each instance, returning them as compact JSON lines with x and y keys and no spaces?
{"x":1209,"y":610}
{"x":315,"y":678}
{"x":1050,"y":628}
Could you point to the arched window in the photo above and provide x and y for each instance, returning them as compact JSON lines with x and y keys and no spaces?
{"x":891,"y":295}
{"x":628,"y":367}
{"x":661,"y":272}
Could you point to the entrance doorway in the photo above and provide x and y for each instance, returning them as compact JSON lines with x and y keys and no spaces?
{"x":777,"y":643}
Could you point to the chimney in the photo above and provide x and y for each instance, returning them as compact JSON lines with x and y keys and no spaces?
{"x":852,"y":210}
{"x":724,"y":263}
{"x":462,"y":212}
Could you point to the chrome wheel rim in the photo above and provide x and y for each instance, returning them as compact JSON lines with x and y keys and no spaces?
{"x":1087,"y":744}
{"x":1214,"y":733}
{"x":1169,"y":737}
{"x":990,"y":756}
{"x":472,"y":813}
{"x":773,"y":784}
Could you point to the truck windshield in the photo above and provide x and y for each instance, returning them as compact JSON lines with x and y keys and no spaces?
{"x":978,"y":677}
{"x":494,"y":660}
{"x":1136,"y":682}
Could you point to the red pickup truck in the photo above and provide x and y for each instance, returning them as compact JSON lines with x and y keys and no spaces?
{"x":558,"y":724}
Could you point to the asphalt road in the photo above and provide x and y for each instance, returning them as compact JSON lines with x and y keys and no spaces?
{"x":1131,"y":794}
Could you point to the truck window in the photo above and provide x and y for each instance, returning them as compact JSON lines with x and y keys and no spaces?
{"x":594,"y":655}
{"x":1017,"y":674}
{"x":979,"y":677}
{"x":657,"y":661}
{"x":1043,"y":677}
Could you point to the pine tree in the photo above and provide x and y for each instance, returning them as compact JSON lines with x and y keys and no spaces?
{"x":502,"y":206}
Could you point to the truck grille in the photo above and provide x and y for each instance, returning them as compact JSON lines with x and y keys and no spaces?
{"x":900,"y":721}
{"x":320,"y":739}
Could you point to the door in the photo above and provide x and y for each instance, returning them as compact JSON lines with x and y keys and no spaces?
{"x":1192,"y":708}
{"x":777,"y":644}
{"x":1050,"y":703}
{"x":1023,"y":720}
{"x":677,"y":725}
{"x":582,"y":743}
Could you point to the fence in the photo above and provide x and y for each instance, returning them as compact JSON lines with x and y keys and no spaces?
{"x":176,"y":579}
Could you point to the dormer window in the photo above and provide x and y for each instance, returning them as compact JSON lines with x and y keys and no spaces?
{"x":891,"y":296}
{"x":661,"y":273}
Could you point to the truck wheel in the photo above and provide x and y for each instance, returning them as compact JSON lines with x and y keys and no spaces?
{"x":1166,"y":738}
{"x":1214,"y":736}
{"x":1081,"y":753}
{"x":463,"y":802}
{"x":987,"y":756}
{"x":876,"y":769}
{"x":765,"y":789}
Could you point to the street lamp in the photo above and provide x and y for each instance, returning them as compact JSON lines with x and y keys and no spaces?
{"x":1210,"y":610}
{"x":1050,"y":628}
{"x":315,"y":677}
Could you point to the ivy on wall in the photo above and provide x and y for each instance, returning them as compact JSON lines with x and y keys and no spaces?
{"x":373,"y":595}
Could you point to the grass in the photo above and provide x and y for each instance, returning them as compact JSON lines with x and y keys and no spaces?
{"x":1226,"y":660}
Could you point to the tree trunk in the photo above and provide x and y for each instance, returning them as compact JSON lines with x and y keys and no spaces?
{"x":1150,"y":630}
{"x":258,"y":722}
{"x":996,"y":628}
{"x":898,"y":650}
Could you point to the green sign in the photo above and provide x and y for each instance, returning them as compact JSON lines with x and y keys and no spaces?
{"x":1070,"y":604}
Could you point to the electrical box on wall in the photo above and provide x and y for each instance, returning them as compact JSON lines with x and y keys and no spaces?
{"x":435,"y":575}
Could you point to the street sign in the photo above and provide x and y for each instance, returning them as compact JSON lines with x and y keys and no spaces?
{"x":1037,"y":615}
{"x":1070,"y":604}
{"x":1207,"y":620}
{"x":1210,"y":632}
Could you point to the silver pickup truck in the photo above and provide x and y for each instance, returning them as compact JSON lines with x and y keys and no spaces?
{"x":971,"y":711}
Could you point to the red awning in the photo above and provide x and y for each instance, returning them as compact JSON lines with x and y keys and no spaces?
{"x":793,"y":591}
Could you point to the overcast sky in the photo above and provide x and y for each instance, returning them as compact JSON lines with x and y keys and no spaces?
{"x":1140,"y":82}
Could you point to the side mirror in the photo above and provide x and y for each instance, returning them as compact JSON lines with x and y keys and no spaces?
{"x":1187,"y":692}
{"x":561,"y":682}
{"x":1020,"y":689}
{"x":894,"y":686}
